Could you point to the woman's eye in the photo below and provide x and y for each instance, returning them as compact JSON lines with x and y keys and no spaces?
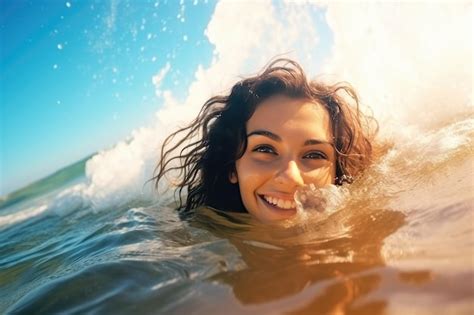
{"x":315,"y":155}
{"x":264,"y":149}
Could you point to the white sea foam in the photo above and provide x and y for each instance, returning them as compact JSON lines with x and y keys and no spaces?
{"x":60,"y":203}
{"x":314,"y":202}
{"x":26,"y":214}
{"x":411,"y":62}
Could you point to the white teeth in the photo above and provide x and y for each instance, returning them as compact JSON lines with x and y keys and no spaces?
{"x":280,"y":203}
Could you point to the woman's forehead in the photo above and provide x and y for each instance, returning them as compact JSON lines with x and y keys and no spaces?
{"x":284,"y":114}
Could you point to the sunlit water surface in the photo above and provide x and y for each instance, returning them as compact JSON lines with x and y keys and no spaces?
{"x":397,"y":241}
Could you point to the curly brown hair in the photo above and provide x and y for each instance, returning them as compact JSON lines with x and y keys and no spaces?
{"x":211,"y":144}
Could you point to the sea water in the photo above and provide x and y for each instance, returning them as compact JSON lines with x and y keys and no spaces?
{"x":399,"y":240}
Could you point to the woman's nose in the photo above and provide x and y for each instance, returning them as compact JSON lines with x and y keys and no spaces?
{"x":289,"y":174}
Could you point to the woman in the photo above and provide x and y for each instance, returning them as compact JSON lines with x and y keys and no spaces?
{"x":273,"y":133}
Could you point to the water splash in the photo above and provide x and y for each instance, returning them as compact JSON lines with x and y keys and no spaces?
{"x":319,"y":202}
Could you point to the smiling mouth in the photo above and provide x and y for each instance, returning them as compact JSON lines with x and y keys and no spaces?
{"x":277,"y":203}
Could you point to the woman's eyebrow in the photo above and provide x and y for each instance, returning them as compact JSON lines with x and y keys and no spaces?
{"x":277,"y":138}
{"x":265,"y":133}
{"x":316,"y":141}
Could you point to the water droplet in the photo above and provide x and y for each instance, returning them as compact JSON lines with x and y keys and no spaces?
{"x":55,"y":66}
{"x":60,"y":46}
{"x":68,"y":4}
{"x":185,"y":38}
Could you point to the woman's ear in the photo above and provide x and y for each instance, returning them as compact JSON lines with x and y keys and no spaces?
{"x":233,"y":177}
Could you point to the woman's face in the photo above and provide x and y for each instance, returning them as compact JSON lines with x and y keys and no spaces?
{"x":290,"y":144}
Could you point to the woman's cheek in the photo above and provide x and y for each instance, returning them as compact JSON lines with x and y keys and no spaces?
{"x":321,"y":176}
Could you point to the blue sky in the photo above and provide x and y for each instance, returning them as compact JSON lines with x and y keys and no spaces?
{"x":76,"y":76}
